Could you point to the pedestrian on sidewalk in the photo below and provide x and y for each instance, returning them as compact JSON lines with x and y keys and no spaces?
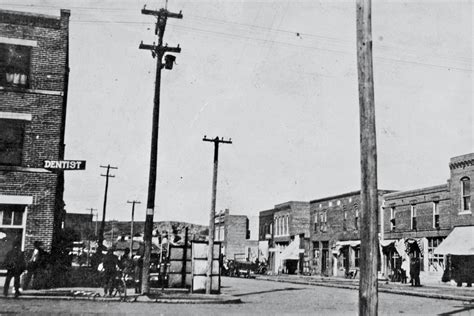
{"x":405,"y":267}
{"x":110,"y":265}
{"x":15,"y":264}
{"x":34,"y":264}
{"x":415,"y":270}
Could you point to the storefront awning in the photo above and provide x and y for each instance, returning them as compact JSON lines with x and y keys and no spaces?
{"x":352,"y":243}
{"x":386,"y":242}
{"x":459,"y":242}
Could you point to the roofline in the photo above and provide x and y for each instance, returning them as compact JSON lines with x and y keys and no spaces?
{"x":358,"y":192}
{"x":289,"y":203}
{"x":408,"y":193}
{"x":33,"y":14}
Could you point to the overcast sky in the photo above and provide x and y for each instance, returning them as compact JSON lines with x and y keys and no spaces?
{"x":280,"y":79}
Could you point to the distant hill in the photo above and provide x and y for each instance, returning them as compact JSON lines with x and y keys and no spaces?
{"x":114,"y":229}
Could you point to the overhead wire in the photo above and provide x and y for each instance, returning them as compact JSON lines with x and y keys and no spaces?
{"x":264,"y":40}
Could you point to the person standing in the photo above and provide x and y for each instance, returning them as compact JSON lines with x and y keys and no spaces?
{"x":110,"y":264}
{"x":405,"y":267}
{"x":15,"y":265}
{"x":416,"y":272}
{"x":34,"y":265}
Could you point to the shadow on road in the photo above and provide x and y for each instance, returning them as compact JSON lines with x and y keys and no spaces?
{"x":467,"y":306}
{"x":270,"y":291}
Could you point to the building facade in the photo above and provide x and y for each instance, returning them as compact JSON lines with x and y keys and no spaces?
{"x":417,"y":221}
{"x":335,"y":233}
{"x":284,"y":236}
{"x":233,"y":231}
{"x":33,"y":93}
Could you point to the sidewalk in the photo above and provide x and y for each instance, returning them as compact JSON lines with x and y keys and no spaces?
{"x":437,"y":291}
{"x":156,"y":296}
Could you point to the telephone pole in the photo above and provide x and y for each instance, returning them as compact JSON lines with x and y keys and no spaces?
{"x":368,"y":287}
{"x":212,"y":215}
{"x":102,"y":224}
{"x":90,"y":233}
{"x":131,"y":225}
{"x":157,"y":51}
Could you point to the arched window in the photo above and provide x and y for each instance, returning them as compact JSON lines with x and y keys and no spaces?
{"x":466,"y":193}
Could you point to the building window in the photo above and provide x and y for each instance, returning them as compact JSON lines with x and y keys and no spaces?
{"x":413,"y":217}
{"x":316,"y":222}
{"x":466,"y":194}
{"x":357,"y":257}
{"x":12,"y":224}
{"x":14,"y":65}
{"x":435,"y":262}
{"x":11,"y":141}
{"x":316,"y":249}
{"x":323,"y":219}
{"x":344,"y":223}
{"x":393,"y":224}
{"x":435,"y":215}
{"x":356,"y":219}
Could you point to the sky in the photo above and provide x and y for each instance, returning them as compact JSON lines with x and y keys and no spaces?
{"x":278,"y":77}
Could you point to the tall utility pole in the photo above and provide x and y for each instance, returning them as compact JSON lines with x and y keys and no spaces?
{"x":131,"y":225}
{"x":90,"y":232}
{"x":102,"y":224}
{"x":368,"y":289}
{"x":156,"y":51}
{"x":212,"y":215}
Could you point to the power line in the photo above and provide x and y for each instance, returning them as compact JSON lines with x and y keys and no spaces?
{"x":269,"y":41}
{"x":213,"y":20}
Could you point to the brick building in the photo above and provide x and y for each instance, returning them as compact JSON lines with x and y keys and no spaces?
{"x":33,"y":92}
{"x":335,"y":233}
{"x":233,"y":231}
{"x":417,"y":221}
{"x":284,"y":231}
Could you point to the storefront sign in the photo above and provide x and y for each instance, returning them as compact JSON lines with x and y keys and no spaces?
{"x":65,"y":164}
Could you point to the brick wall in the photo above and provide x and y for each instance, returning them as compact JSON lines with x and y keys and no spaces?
{"x":44,"y":99}
{"x":461,"y":167}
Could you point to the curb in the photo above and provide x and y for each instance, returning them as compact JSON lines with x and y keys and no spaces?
{"x":189,"y":299}
{"x":382,"y":290}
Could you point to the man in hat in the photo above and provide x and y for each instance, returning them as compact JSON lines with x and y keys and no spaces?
{"x":110,"y":264}
{"x":15,"y":264}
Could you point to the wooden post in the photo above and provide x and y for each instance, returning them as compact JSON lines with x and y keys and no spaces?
{"x":368,"y":289}
{"x":185,"y":258}
{"x":210,"y":252}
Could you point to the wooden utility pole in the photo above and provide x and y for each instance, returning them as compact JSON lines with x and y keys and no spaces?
{"x":212,"y":215}
{"x":131,"y":225}
{"x":102,"y":224}
{"x":156,"y":51}
{"x":368,"y":289}
{"x":90,"y":233}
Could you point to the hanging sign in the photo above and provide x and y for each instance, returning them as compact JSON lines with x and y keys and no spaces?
{"x":65,"y":164}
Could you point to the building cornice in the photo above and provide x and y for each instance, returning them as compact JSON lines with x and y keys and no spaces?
{"x":461,"y":164}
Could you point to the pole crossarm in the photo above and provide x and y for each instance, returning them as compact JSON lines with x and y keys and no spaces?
{"x":217,"y":140}
{"x":162,"y":12}
{"x":160,"y":49}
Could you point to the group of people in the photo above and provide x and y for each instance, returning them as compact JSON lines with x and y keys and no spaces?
{"x":16,"y":264}
{"x":111,"y":266}
{"x":414,"y":267}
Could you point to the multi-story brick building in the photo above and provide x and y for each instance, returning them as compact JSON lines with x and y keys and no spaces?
{"x":335,"y":233}
{"x":284,"y":231}
{"x":33,"y":92}
{"x":417,"y":221}
{"x":233,"y":231}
